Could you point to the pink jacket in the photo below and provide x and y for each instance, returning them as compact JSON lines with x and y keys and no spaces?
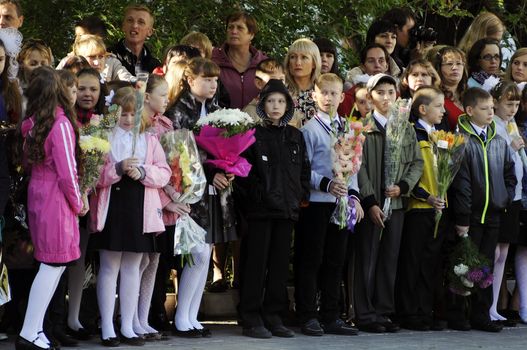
{"x":157,"y":175}
{"x":240,"y":86}
{"x":54,"y":198}
{"x":161,"y":125}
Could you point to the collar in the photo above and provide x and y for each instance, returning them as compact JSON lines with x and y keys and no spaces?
{"x":382,"y":120}
{"x":478,"y":129}
{"x":143,"y":51}
{"x":120,"y":132}
{"x":428,"y":128}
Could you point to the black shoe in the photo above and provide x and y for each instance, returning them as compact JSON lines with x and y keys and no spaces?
{"x":339,"y":327}
{"x":134,"y":341}
{"x":259,"y":332}
{"x":80,"y":334}
{"x":152,"y":336}
{"x":488,"y":326}
{"x":282,"y":332}
{"x":372,"y":327}
{"x":312,"y":328}
{"x":438,"y":325}
{"x":509,"y":323}
{"x":191,"y":333}
{"x":218,"y":286}
{"x":64,"y":339}
{"x":415,"y":324}
{"x":460,"y":325}
{"x":111,"y":342}
{"x":24,"y":344}
{"x":391,"y":327}
{"x":205,"y":332}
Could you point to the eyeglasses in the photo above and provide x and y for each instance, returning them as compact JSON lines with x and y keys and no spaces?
{"x":490,"y":57}
{"x":451,"y":65}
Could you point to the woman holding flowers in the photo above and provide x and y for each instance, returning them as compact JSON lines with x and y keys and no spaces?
{"x":126,"y":210}
{"x":54,"y":200}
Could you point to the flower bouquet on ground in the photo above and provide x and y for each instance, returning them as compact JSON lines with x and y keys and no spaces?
{"x":395,"y":131}
{"x":94,"y":147}
{"x":467,"y":268}
{"x":224,"y":135}
{"x":189,"y":182}
{"x":448,"y":149}
{"x":346,"y":153}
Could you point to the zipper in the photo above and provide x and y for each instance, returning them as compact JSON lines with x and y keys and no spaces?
{"x":241,"y":79}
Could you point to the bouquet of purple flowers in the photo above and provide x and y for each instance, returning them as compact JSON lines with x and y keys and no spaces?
{"x":468,"y":269}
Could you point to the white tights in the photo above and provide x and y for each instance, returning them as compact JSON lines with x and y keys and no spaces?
{"x":40,"y":295}
{"x":520,"y":263}
{"x":127,"y":263}
{"x":76,"y":275}
{"x":500,"y":258}
{"x":191,"y":288}
{"x":147,"y":274}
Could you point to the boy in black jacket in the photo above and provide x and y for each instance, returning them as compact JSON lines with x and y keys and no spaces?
{"x":271,"y":197}
{"x":482,"y":189}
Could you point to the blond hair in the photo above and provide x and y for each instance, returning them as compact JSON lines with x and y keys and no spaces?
{"x":308,"y":47}
{"x":486,"y":24}
{"x":89,"y":42}
{"x":328,"y":78}
{"x":199,"y":41}
{"x":519,"y":53}
{"x":174,"y":80}
{"x":420,"y":62}
{"x":125,"y":97}
{"x":137,"y":7}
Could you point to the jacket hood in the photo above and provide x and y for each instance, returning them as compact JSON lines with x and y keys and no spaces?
{"x":466,"y":127}
{"x":275,"y":86}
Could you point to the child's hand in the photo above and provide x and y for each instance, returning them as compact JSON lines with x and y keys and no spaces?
{"x":134,"y":173}
{"x":517,"y":143}
{"x":462,"y":230}
{"x":359,"y":212}
{"x":178,"y":208}
{"x":221,"y":181}
{"x":376,"y":215}
{"x":172,"y":193}
{"x":392,"y":191}
{"x":436,"y":202}
{"x":338,"y":188}
{"x":85,"y":205}
{"x":129,"y":163}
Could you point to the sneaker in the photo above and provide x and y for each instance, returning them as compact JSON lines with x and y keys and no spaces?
{"x":312,"y":328}
{"x":339,"y":327}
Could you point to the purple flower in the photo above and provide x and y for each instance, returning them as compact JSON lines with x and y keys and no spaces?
{"x":475,"y":275}
{"x":487,"y":281}
{"x":486,"y":270}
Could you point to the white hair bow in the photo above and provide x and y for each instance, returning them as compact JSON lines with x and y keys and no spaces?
{"x":12,"y":40}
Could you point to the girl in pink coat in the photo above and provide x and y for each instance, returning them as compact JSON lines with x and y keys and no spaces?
{"x":127,"y":211}
{"x":50,"y":150}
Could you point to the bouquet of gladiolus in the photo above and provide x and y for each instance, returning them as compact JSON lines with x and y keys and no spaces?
{"x":189,"y":182}
{"x":448,"y":151}
{"x":395,"y":131}
{"x":94,"y":146}
{"x":346,"y":153}
{"x":224,"y":135}
{"x":468,"y":268}
{"x":514,"y":132}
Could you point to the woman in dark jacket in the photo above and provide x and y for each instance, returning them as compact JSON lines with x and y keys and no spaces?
{"x":271,"y":196}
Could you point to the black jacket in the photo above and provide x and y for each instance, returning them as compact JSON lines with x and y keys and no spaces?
{"x":279,"y":177}
{"x":185,"y":112}
{"x":128,"y":59}
{"x":485,"y":183}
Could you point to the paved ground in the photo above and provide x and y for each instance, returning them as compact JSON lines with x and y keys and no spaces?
{"x":228,"y":337}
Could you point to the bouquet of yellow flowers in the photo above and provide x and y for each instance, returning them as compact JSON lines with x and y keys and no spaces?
{"x":95,"y":147}
{"x":347,"y":158}
{"x":514,"y":132}
{"x":448,"y":151}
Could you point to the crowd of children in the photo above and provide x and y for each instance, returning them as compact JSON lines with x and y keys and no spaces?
{"x":393,"y":264}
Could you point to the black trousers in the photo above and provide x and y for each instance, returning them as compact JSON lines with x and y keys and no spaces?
{"x":263,"y":294}
{"x":320,"y":253}
{"x":419,"y":259}
{"x":375,"y":268}
{"x":485,"y":237}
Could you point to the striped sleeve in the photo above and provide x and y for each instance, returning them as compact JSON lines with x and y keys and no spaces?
{"x":63,"y":153}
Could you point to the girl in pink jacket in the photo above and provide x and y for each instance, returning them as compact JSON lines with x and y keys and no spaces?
{"x":127,"y":211}
{"x":50,"y":150}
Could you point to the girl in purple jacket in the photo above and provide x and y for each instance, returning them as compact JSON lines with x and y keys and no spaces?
{"x":50,"y":150}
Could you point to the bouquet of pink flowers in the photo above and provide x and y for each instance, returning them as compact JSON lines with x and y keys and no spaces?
{"x":347,"y":158}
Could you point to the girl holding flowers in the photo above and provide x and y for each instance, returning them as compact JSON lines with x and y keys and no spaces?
{"x":126,"y":210}
{"x":419,"y":252}
{"x":54,"y":200}
{"x":507,"y":98}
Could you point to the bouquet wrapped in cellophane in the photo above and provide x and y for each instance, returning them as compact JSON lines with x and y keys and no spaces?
{"x":189,"y":182}
{"x":514,"y":132}
{"x":467,"y":268}
{"x":395,"y":131}
{"x":448,"y":149}
{"x":94,"y":146}
{"x":346,"y":155}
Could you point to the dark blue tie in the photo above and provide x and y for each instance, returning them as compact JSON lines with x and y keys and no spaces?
{"x":483,"y":136}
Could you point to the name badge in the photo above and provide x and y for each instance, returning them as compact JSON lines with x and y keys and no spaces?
{"x":264,"y":158}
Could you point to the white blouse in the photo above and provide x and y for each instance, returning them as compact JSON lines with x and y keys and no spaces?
{"x":122,"y":141}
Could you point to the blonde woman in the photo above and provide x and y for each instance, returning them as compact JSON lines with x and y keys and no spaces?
{"x":517,"y":68}
{"x":302,"y":67}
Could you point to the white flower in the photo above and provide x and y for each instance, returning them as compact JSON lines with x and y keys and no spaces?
{"x":226,"y":117}
{"x":460,"y":269}
{"x":466,"y":282}
{"x":108,"y":99}
{"x":490,"y":82}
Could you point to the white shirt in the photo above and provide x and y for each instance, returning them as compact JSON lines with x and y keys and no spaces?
{"x":122,"y":141}
{"x":380,"y":118}
{"x":429,"y":128}
{"x":478,"y":130}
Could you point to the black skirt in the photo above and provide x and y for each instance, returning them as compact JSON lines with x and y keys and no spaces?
{"x":510,"y":223}
{"x":123,"y":230}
